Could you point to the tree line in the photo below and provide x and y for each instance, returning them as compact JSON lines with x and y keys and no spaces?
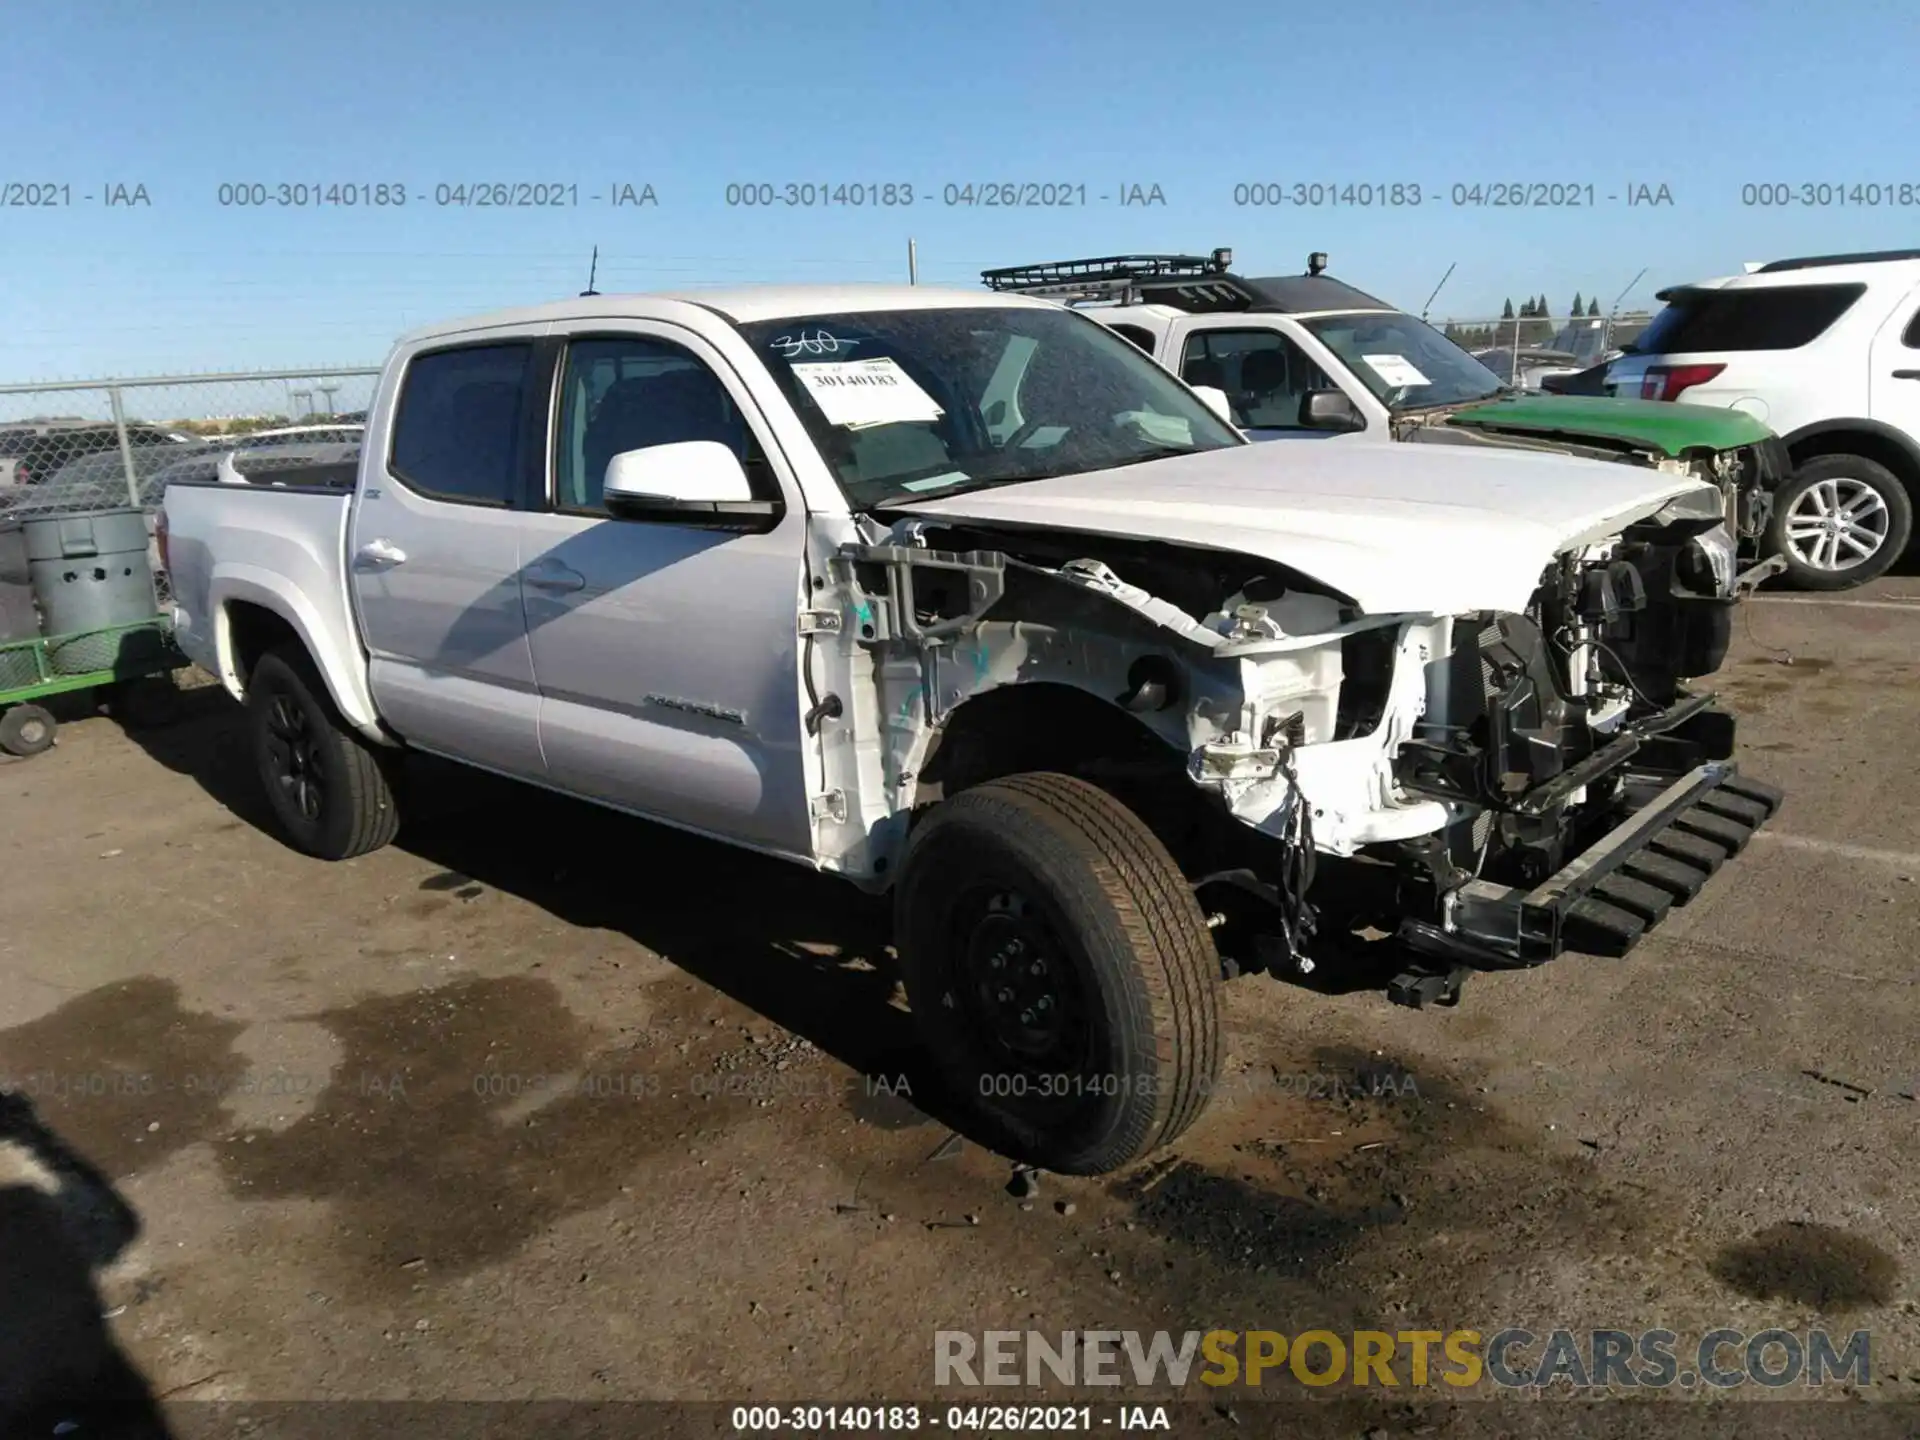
{"x":1531,"y":323}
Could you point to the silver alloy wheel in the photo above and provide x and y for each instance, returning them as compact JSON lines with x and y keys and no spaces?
{"x":1837,"y":524}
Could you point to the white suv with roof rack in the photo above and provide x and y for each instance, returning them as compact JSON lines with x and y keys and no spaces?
{"x":1826,"y":350}
{"x":1307,"y":357}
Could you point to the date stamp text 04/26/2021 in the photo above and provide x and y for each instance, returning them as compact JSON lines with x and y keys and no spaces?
{"x":57,"y":192}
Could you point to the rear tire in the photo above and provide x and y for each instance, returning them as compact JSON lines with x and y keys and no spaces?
{"x":326,"y":785}
{"x":1060,"y":971}
{"x":1832,"y":507}
{"x":27,"y":730}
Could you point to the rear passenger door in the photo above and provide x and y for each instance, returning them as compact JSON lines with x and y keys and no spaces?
{"x":433,"y":554}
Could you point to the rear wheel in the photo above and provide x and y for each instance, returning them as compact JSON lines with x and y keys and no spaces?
{"x":327,"y":786}
{"x":1841,"y":521}
{"x":1060,"y":971}
{"x":27,"y":730}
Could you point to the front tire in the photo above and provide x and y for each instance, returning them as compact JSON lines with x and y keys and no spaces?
{"x":326,"y":785}
{"x":1841,"y":521}
{"x":1060,"y":971}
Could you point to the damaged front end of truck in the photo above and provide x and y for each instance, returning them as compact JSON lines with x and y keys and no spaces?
{"x":1488,"y":789}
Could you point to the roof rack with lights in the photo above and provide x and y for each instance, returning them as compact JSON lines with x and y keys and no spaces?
{"x":1196,"y":284}
{"x":1111,"y":277}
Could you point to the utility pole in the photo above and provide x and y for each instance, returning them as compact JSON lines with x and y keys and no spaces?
{"x":913,"y":263}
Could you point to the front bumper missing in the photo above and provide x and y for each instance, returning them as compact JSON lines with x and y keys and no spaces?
{"x":1622,"y":885}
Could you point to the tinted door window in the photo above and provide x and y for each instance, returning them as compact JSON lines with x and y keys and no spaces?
{"x":1263,"y":372}
{"x":457,"y":433}
{"x":629,"y":394}
{"x":1780,"y":318}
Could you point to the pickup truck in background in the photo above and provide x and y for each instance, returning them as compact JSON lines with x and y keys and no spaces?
{"x":959,"y":596}
{"x":1311,"y":358}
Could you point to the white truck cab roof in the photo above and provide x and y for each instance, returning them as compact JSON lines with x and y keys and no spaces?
{"x":738,"y":304}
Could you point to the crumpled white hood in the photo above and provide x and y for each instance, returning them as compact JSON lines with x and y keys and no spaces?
{"x":1398,"y":528}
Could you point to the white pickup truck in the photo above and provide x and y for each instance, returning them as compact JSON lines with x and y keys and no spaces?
{"x":961,"y":596}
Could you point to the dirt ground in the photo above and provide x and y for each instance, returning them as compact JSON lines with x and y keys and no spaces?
{"x":355,"y":1184}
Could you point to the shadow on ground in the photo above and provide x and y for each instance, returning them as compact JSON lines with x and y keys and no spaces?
{"x":61,"y":1220}
{"x":807,"y":952}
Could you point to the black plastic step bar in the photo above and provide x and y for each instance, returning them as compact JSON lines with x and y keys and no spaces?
{"x":1607,"y":898}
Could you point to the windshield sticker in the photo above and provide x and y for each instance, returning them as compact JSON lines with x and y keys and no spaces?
{"x":812,"y":342}
{"x":1395,"y":369}
{"x":935,"y":482}
{"x":858,"y":393}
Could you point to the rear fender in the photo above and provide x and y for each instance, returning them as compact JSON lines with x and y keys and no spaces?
{"x":337,"y":657}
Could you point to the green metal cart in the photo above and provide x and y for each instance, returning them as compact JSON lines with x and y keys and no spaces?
{"x":133,"y":662}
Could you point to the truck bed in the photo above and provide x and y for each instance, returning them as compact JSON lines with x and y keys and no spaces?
{"x":293,"y":538}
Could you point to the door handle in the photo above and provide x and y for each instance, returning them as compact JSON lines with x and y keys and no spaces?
{"x":378,"y":555}
{"x":552,"y":575}
{"x":1906,"y":374}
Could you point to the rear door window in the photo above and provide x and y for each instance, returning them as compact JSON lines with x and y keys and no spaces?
{"x":457,"y":431}
{"x":1781,"y":317}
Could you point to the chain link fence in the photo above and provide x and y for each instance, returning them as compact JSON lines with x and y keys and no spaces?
{"x":76,"y":446}
{"x":94,"y":444}
{"x":1523,"y":349}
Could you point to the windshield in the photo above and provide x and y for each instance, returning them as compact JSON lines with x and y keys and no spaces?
{"x":1406,"y":363}
{"x":905,"y":403}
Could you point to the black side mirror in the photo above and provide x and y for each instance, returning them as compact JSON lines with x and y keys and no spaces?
{"x":1329,"y":410}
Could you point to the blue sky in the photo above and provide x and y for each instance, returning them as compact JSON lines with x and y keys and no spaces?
{"x":1701,"y":97}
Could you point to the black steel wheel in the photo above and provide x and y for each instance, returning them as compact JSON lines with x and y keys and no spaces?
{"x":1061,"y":973}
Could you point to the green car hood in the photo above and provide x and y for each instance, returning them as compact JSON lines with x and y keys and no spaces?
{"x":1670,"y":428}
